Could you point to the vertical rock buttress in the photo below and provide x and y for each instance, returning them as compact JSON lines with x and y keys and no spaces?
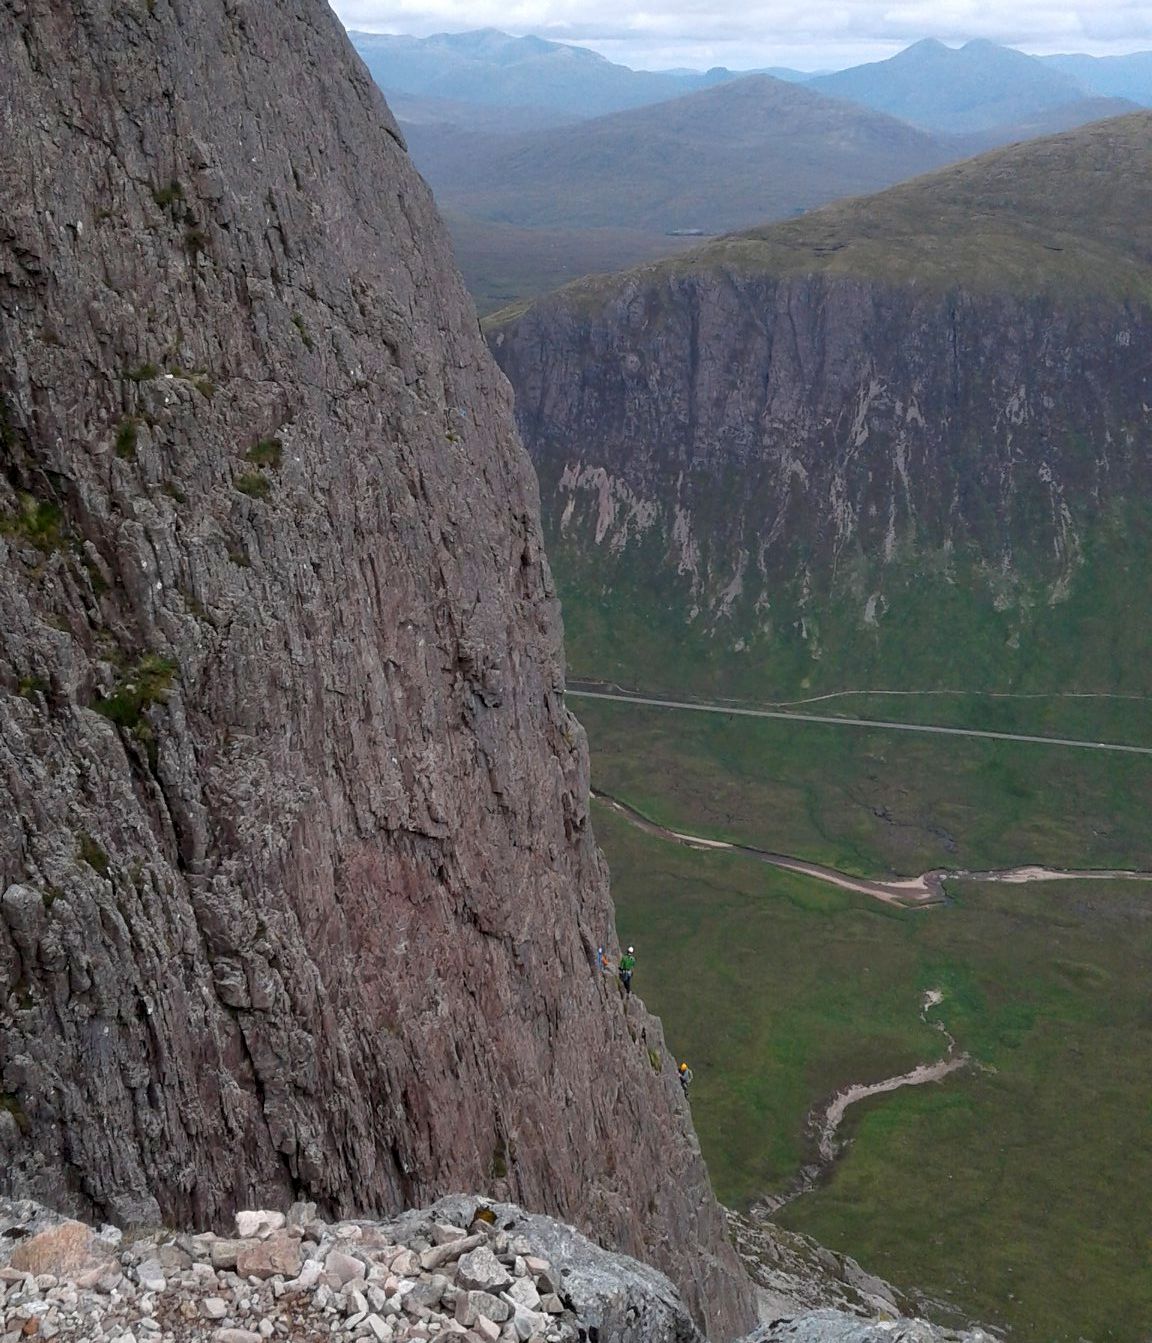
{"x":298,"y":891}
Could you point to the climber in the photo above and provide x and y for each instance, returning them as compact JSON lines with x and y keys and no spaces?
{"x":627,"y":965}
{"x":685,"y":1077}
{"x":602,"y":960}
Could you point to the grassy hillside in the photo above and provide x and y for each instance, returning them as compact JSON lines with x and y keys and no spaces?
{"x":1014,"y":1191}
{"x":878,"y":803}
{"x":757,"y":148}
{"x":1071,"y":213}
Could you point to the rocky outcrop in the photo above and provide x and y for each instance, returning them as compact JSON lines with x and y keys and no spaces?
{"x":833,"y":1326}
{"x":794,"y":1274}
{"x":465,"y":1269}
{"x":298,"y":893}
{"x":926,"y":411}
{"x":296,"y":1276}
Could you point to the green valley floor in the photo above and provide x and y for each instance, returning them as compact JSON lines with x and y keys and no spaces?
{"x":1015,"y":1191}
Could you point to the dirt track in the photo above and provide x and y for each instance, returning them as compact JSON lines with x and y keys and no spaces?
{"x":909,"y":893}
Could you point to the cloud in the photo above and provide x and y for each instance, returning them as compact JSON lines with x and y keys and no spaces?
{"x":875,"y":27}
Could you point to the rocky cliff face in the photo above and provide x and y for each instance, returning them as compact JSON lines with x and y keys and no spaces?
{"x":299,"y":893}
{"x":927,"y":411}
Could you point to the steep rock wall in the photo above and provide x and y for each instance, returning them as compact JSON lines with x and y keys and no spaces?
{"x":798,"y":467}
{"x":298,"y":892}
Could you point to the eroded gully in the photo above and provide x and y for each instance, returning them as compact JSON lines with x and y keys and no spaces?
{"x":825,"y":1120}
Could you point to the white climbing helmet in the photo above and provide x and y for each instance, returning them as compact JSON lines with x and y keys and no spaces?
{"x":631,"y":951}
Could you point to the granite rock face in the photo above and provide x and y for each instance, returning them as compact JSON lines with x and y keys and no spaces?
{"x":298,"y":892}
{"x":795,"y":1274}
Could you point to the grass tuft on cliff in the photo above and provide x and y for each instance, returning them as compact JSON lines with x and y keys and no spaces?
{"x":146,"y":684}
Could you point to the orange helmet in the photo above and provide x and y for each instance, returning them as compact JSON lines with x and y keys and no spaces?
{"x":683,"y":1067}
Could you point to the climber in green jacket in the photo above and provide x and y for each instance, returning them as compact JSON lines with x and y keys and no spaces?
{"x":627,"y":965}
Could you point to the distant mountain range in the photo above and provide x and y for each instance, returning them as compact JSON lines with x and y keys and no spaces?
{"x":491,"y":67}
{"x":975,"y":87}
{"x":552,"y":160}
{"x":1111,"y":76}
{"x":971,"y":88}
{"x":723,"y":158}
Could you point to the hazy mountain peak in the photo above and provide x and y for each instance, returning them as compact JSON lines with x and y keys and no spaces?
{"x":926,"y":46}
{"x":493,"y":44}
{"x":489,"y":66}
{"x":712,"y":160}
{"x":968,"y":89}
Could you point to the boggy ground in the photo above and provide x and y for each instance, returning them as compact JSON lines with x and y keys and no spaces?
{"x":1014,"y":1189}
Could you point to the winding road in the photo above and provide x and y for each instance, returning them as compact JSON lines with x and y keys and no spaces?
{"x":835,"y":720}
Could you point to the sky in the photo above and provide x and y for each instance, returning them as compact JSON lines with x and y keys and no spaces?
{"x":804,"y":34}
